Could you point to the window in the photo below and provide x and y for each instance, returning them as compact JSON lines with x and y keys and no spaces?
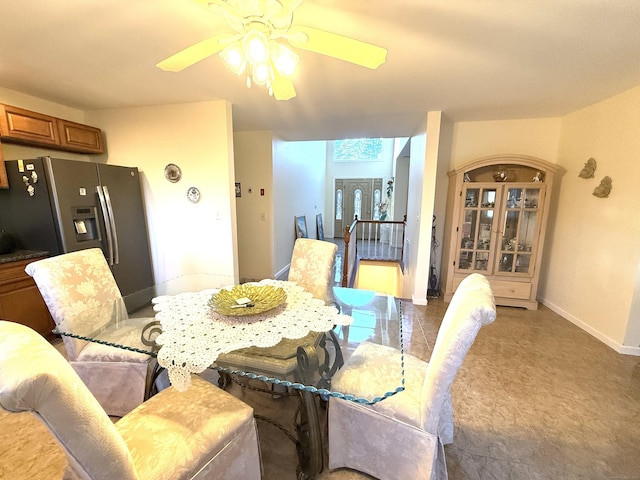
{"x":357,"y":203}
{"x":358,"y":149}
{"x":339,"y":204}
{"x":376,"y":204}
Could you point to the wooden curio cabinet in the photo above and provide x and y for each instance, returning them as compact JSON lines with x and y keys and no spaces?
{"x":496,"y":220}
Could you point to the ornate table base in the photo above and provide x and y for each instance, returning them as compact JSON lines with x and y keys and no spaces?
{"x":311,"y":371}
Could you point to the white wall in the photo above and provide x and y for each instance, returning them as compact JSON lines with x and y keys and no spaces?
{"x":414,"y":201}
{"x":357,"y":169}
{"x":441,"y":190}
{"x":591,"y":275}
{"x":187,"y":239}
{"x":400,"y":187}
{"x":299,"y":177}
{"x":422,"y":187}
{"x":254,"y":171}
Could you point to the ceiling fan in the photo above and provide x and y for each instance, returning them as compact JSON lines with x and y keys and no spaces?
{"x":257,"y":47}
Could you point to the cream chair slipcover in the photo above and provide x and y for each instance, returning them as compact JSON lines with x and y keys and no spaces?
{"x":402,"y":437}
{"x":311,"y":268}
{"x":82,"y":297}
{"x":201,"y":433}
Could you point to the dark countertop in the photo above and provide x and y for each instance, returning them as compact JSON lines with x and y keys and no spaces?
{"x":18,"y":255}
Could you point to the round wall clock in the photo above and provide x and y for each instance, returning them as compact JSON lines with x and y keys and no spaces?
{"x":172,"y":172}
{"x":193,"y":194}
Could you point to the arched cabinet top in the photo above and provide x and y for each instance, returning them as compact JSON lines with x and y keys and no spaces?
{"x":520,"y":167}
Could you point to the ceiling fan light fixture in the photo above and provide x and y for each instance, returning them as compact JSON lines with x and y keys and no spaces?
{"x":261,"y":74}
{"x":284,"y":59}
{"x":234,"y":58}
{"x":260,"y":56}
{"x":256,"y":47}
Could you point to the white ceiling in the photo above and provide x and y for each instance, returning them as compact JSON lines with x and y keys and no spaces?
{"x":472,"y":59}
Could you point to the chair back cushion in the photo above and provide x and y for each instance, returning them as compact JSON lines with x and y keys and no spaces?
{"x":312,"y":266}
{"x":35,"y":377}
{"x":471,"y":307}
{"x":80,"y":292}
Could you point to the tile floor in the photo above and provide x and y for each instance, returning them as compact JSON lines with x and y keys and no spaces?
{"x":537,"y":398}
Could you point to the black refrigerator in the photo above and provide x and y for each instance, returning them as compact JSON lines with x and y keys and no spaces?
{"x":62,"y":206}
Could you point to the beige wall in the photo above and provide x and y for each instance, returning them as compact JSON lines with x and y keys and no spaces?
{"x":293,"y":177}
{"x":254,"y":170}
{"x":17,"y":99}
{"x":591,"y":273}
{"x":592,"y":259}
{"x":21,"y":100}
{"x":592,"y":262}
{"x":537,"y":137}
{"x":187,"y":239}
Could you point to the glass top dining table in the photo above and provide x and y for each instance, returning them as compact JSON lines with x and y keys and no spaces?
{"x":184,"y":331}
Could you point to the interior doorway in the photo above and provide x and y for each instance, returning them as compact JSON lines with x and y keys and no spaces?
{"x":355,"y":196}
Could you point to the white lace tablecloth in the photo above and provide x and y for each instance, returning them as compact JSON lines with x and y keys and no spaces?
{"x":194,"y":335}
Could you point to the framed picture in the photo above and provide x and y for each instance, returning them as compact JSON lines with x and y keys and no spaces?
{"x":238,"y":190}
{"x":301,"y":226}
{"x":319,"y":227}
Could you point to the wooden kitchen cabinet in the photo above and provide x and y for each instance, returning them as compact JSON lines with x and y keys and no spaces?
{"x":28,"y":127}
{"x":497,"y":214}
{"x":18,"y":125}
{"x":79,"y":137}
{"x":4,"y":179}
{"x":20,"y":299}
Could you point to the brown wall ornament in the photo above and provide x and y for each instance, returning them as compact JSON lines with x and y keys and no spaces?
{"x":604,"y":189}
{"x":589,"y":169}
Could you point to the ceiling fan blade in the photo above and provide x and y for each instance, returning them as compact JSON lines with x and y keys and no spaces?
{"x":226,"y":9}
{"x":283,"y":88}
{"x":193,"y":54}
{"x":337,"y":46}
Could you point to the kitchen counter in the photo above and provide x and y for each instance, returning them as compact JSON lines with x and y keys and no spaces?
{"x":18,"y":255}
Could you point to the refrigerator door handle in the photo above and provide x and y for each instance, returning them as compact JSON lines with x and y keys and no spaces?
{"x":107,"y":223}
{"x":112,"y":221}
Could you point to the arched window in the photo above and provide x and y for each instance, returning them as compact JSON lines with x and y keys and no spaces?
{"x":376,"y":204}
{"x":339,"y":204}
{"x":357,"y":203}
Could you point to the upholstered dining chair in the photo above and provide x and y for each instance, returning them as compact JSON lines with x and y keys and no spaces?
{"x":311,"y":267}
{"x":403,"y":435}
{"x":82,"y":296}
{"x":203,"y":432}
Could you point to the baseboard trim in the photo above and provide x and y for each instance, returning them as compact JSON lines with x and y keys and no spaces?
{"x":622,"y":349}
{"x":284,"y":273}
{"x":418,"y":301}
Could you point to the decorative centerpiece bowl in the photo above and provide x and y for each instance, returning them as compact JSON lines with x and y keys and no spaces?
{"x":261,"y":298}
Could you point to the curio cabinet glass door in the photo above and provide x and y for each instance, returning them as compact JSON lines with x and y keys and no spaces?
{"x":499,"y":227}
{"x":475,"y":231}
{"x":520,"y":225}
